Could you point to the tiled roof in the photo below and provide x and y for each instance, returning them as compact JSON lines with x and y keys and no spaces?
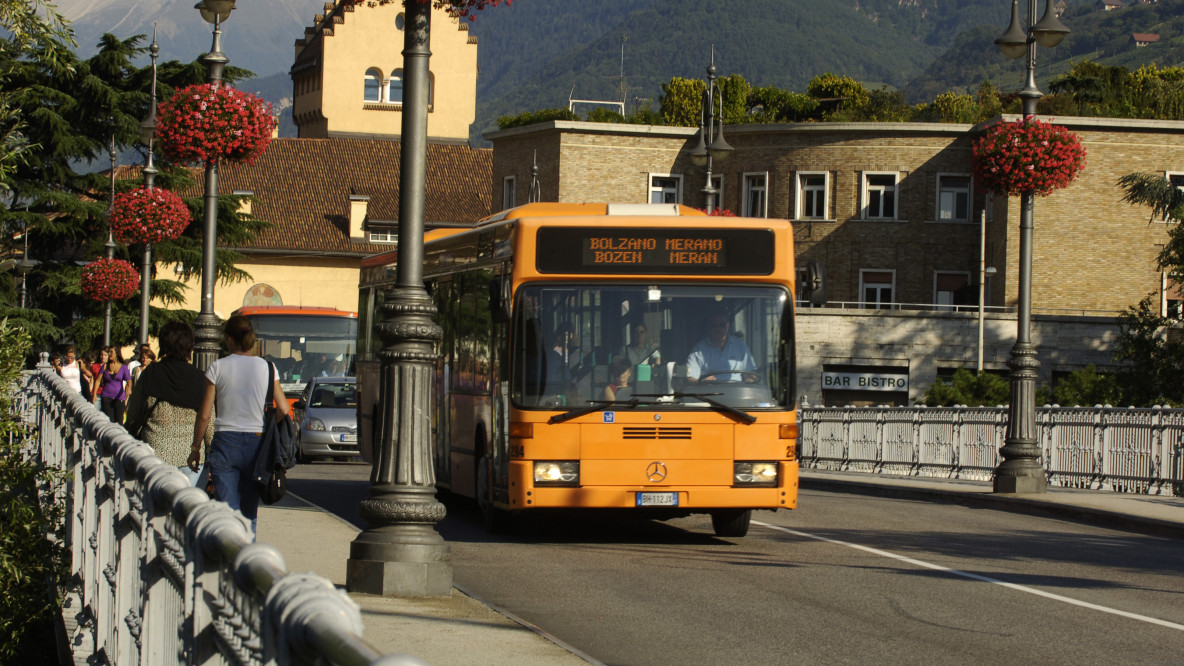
{"x":302,"y":186}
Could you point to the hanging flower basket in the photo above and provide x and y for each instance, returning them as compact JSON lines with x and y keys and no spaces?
{"x":148,"y":216}
{"x":206,"y":124}
{"x":109,"y":280}
{"x":1013,"y":158}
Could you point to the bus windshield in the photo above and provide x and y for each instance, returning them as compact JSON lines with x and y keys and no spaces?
{"x":303,"y":346}
{"x":677,"y":346}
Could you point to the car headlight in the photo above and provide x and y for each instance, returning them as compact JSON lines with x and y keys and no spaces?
{"x":557,"y":473}
{"x":314,"y":423}
{"x":756,"y":473}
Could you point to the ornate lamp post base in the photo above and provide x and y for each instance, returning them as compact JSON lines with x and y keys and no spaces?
{"x":403,"y":556}
{"x":1021,"y":471}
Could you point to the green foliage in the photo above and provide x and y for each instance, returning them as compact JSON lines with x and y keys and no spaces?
{"x":72,"y":111}
{"x":734,"y":92}
{"x":774,"y":105}
{"x":1086,"y":388}
{"x":682,"y":101}
{"x":1154,"y":359}
{"x":32,"y":566}
{"x":532,"y":117}
{"x":967,"y":388}
{"x":603,"y":115}
{"x":839,"y":94}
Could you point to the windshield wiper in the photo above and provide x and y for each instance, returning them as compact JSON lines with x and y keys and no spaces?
{"x":726,"y":410}
{"x":592,"y":406}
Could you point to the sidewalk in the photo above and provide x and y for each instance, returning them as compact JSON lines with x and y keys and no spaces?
{"x":454,"y":630}
{"x":464,"y":630}
{"x":1149,"y":514}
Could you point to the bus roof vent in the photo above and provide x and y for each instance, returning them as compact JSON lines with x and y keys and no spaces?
{"x":642,"y":209}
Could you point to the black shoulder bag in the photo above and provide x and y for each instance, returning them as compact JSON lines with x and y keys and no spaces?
{"x":277,"y":448}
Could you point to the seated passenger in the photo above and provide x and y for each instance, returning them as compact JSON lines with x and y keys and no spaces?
{"x":620,"y":371}
{"x":719,"y":351}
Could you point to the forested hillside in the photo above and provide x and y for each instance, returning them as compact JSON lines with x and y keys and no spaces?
{"x":537,"y":53}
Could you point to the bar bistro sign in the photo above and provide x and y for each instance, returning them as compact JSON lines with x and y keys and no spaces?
{"x":863,"y":381}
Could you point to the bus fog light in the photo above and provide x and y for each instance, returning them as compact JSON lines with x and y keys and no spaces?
{"x":557,"y":473}
{"x":756,"y":473}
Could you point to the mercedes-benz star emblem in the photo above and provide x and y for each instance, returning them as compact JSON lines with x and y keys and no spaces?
{"x":656,"y":472}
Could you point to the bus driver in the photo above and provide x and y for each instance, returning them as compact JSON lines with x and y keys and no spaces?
{"x":719,"y":351}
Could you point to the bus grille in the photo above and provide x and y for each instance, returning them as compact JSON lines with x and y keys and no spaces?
{"x":656,"y":432}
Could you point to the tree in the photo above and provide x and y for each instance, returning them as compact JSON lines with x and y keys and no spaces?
{"x":1087,"y":387}
{"x":1154,"y":359}
{"x":1166,"y":201}
{"x":74,"y":113}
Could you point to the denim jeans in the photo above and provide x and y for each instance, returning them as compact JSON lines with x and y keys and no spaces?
{"x":232,"y":462}
{"x":190,"y":474}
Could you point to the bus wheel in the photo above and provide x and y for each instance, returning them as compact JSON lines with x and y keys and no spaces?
{"x":493,"y":519}
{"x":731,"y":522}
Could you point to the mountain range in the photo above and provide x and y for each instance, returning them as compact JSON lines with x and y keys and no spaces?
{"x":537,"y":54}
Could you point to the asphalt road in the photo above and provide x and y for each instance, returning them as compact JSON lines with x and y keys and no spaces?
{"x":845,"y":579}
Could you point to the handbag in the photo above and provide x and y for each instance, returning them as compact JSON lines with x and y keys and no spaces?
{"x":277,"y":450}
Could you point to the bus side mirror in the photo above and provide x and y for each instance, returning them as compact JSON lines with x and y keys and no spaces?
{"x":499,"y":305}
{"x":814,"y":287}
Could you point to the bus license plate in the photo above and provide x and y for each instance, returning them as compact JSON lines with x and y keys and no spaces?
{"x":349,"y":438}
{"x":657,"y":499}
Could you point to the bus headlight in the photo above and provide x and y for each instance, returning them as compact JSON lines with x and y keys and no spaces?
{"x":314,"y":424}
{"x":557,"y":473}
{"x":755,"y":473}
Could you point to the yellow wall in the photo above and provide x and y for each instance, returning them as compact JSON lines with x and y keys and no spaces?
{"x":368,"y":38}
{"x":310,"y":281}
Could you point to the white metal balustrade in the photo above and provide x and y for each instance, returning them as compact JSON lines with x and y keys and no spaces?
{"x":161,"y":574}
{"x":1100,"y":448}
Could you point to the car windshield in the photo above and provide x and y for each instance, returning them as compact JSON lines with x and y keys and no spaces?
{"x":324,"y":395}
{"x":715,"y":346}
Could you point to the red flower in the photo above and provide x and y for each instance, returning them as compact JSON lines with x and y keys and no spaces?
{"x":206,"y":124}
{"x":1013,"y":158}
{"x":148,"y":216}
{"x":109,"y":280}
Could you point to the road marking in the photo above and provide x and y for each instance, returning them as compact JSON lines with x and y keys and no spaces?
{"x":985,"y":579}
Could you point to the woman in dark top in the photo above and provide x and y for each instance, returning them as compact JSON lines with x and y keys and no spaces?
{"x":166,"y":398}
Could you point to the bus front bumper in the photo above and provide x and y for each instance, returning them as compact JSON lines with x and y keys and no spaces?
{"x":525,"y":494}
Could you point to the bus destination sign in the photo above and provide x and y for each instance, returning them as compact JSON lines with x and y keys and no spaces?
{"x":650,"y":251}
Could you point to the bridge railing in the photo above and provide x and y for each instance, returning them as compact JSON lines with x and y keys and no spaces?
{"x":1101,"y":448}
{"x":161,"y":574}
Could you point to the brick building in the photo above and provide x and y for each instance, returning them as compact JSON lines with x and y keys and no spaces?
{"x":890,"y":212}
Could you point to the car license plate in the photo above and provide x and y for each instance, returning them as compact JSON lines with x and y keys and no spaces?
{"x":349,"y":438}
{"x":657,"y":499}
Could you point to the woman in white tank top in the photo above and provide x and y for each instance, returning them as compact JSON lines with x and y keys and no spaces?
{"x":71,"y":371}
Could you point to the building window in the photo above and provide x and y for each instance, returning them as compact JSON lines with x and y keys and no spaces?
{"x":811,"y":196}
{"x":431,"y":90}
{"x":394,"y":87}
{"x":755,"y":199}
{"x":879,"y":196}
{"x":665,"y":189}
{"x":717,"y":182}
{"x":1173,"y":297}
{"x":876,"y":288}
{"x":509,"y":192}
{"x":373,"y":91}
{"x":953,"y":198}
{"x":400,"y":21}
{"x":384,"y":236}
{"x":951,"y":288}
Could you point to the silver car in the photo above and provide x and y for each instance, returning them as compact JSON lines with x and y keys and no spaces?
{"x":328,"y":418}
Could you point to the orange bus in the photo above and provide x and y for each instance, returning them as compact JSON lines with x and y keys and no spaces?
{"x":637,"y":357}
{"x":304,"y":342}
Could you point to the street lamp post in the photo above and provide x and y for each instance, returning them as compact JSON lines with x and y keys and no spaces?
{"x":1021,"y":471}
{"x":206,"y":330}
{"x":400,"y":553}
{"x":711,"y":145}
{"x":984,"y":271}
{"x":110,"y":244}
{"x":147,"y":132}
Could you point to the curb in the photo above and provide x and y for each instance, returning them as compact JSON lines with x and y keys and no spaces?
{"x":1017,"y":504}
